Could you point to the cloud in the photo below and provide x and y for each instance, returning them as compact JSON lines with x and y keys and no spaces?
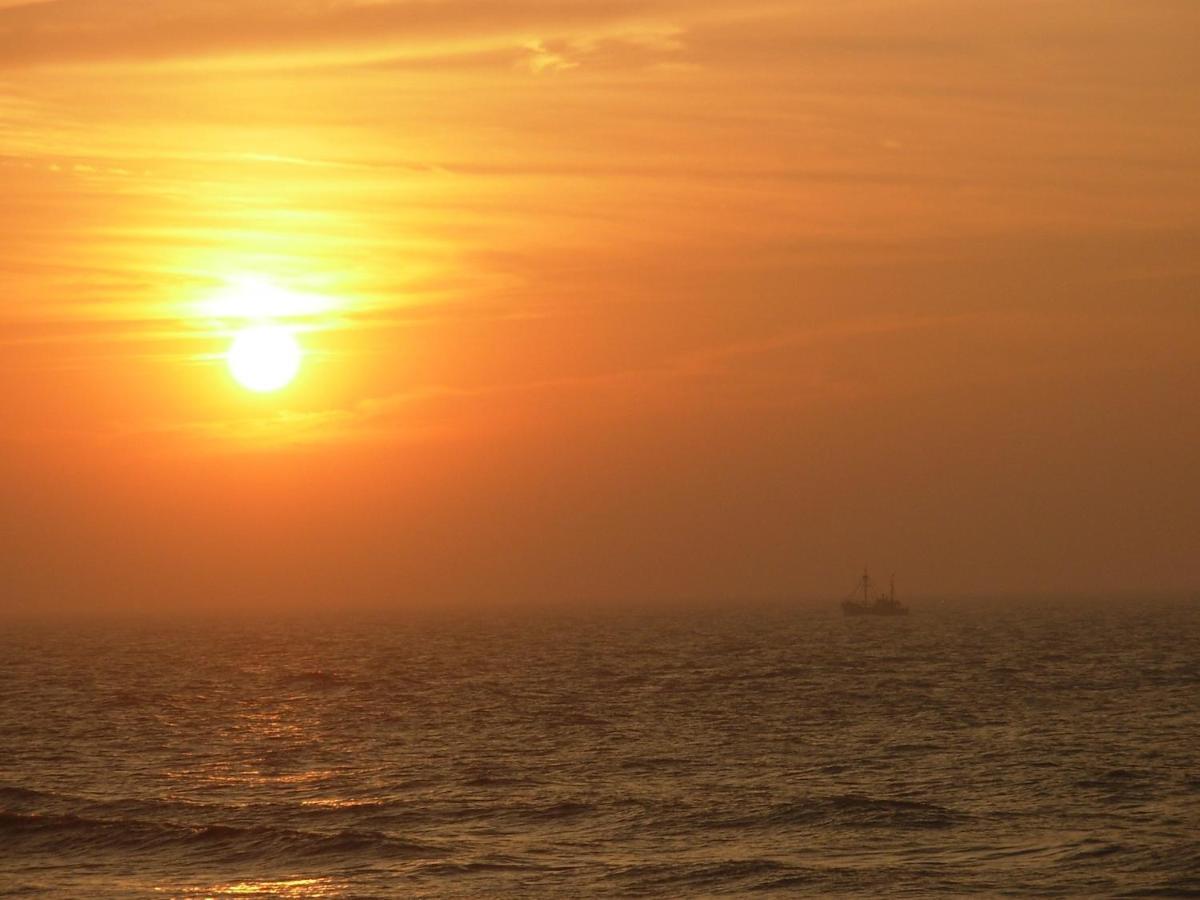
{"x":632,"y":49}
{"x":74,"y":31}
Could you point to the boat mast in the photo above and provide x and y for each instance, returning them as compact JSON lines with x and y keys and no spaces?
{"x":892,"y":589}
{"x":866,"y":586}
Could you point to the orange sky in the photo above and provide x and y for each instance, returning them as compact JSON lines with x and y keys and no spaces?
{"x":601,"y":299}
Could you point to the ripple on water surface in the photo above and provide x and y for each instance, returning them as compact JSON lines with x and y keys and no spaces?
{"x":1040,"y":749}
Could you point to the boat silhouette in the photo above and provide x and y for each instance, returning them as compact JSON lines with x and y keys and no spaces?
{"x":882,"y":605}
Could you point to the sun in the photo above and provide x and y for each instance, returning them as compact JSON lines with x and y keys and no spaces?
{"x":264,"y":358}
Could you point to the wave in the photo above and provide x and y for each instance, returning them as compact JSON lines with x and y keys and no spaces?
{"x":850,"y":811}
{"x":476,"y":867}
{"x":744,"y":874}
{"x":80,"y":835}
{"x":1114,"y":777}
{"x":11,"y":794}
{"x":563,"y":719}
{"x":655,"y":764}
{"x":484,"y":780}
{"x":565,"y":809}
{"x":1173,"y":889}
{"x":314,"y":678}
{"x":1121,"y":785}
{"x":129,"y":699}
{"x":1091,"y":848}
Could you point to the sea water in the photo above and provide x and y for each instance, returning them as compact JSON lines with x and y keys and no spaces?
{"x":1048,"y":748}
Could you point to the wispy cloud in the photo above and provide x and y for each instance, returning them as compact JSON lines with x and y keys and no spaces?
{"x":67,"y":31}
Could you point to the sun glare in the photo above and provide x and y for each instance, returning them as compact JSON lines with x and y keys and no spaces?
{"x":257,"y":298}
{"x":264,"y":358}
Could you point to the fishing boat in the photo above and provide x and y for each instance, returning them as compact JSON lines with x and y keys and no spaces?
{"x":882,"y":605}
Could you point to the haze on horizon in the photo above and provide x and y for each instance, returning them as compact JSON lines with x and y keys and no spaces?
{"x":599,"y":299}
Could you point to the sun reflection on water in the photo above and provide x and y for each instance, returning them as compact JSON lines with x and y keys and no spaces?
{"x":291,"y":887}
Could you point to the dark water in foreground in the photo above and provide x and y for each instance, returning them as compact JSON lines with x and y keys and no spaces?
{"x":1029,"y":750}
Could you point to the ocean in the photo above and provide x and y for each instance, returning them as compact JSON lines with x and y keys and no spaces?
{"x":1035,"y":748}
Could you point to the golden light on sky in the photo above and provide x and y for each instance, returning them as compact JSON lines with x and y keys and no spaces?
{"x":256,"y":299}
{"x":598,"y":299}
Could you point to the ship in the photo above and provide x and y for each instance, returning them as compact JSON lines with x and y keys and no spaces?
{"x":882,"y":605}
